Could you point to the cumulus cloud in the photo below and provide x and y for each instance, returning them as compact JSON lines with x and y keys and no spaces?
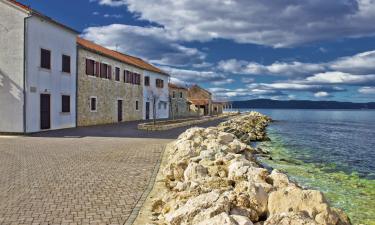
{"x":275,"y":23}
{"x":277,"y":68}
{"x":195,"y":76}
{"x":321,"y":94}
{"x":367,"y":90}
{"x":150,"y":43}
{"x":359,"y":68}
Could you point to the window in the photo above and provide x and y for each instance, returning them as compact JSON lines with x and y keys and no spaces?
{"x":93,"y":103}
{"x":45,"y":59}
{"x":66,"y":64}
{"x":65,"y":104}
{"x":159,"y":83}
{"x":132,"y":78}
{"x":180,"y":94}
{"x":173,"y":94}
{"x":92,"y":67}
{"x":136,"y":105}
{"x":147,"y":81}
{"x":117,"y":74}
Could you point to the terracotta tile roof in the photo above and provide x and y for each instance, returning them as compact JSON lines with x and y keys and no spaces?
{"x":134,"y":61}
{"x":175,"y":86}
{"x":36,"y":13}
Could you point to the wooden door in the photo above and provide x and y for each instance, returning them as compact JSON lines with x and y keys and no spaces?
{"x":119,"y":110}
{"x":45,"y":111}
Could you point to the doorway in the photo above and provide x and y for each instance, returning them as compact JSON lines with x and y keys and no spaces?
{"x":45,"y":111}
{"x":147,"y":110}
{"x":119,"y":110}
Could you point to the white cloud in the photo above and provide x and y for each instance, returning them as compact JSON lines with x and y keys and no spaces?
{"x":367,"y":90}
{"x":274,"y":23}
{"x":321,"y":94}
{"x":117,"y":16}
{"x":339,"y":70}
{"x":195,"y":76}
{"x":339,"y":78}
{"x":150,"y":43}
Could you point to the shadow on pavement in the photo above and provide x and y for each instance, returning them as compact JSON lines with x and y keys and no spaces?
{"x":120,"y":130}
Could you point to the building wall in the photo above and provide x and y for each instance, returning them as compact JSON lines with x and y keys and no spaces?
{"x":11,"y":68}
{"x":196,"y":93}
{"x":107,"y":92}
{"x":44,"y":34}
{"x":162,"y":96}
{"x":179,"y":106}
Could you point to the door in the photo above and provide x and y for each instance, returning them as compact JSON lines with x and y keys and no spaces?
{"x":45,"y":111}
{"x":147,"y":110}
{"x":119,"y":110}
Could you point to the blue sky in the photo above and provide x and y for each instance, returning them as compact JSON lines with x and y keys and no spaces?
{"x":240,"y":49}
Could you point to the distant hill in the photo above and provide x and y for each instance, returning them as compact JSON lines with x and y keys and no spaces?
{"x":301,"y":104}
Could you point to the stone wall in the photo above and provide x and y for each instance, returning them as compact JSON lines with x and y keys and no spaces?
{"x":107,"y":92}
{"x":179,"y":105}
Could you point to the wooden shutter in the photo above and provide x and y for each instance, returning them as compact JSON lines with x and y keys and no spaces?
{"x":109,"y":72}
{"x":88,"y":71}
{"x":45,"y":59}
{"x":66,"y":63}
{"x":97,"y":69}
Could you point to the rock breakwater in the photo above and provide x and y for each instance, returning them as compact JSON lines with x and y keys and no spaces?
{"x":211,"y":177}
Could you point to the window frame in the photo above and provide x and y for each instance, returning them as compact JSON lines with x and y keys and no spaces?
{"x":68,"y":105}
{"x":96,"y":104}
{"x":41,"y":59}
{"x":147,"y":78}
{"x":69,"y":65}
{"x":136,"y":105}
{"x":117,"y":74}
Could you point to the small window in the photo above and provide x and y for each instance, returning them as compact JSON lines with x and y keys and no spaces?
{"x":136,"y":105}
{"x":65,"y":104}
{"x":173,"y":94}
{"x":66,"y":64}
{"x":159,"y":83}
{"x":117,"y":74}
{"x":147,"y":81}
{"x":45,"y":59}
{"x":180,"y":94}
{"x":93,"y":103}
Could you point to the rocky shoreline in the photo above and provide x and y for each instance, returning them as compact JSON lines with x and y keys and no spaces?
{"x":211,"y":176}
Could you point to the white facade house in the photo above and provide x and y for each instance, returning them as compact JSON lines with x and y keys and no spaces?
{"x":37,"y":71}
{"x":156,"y":95}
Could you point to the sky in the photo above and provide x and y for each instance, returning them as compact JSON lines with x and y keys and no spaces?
{"x":239,"y":49}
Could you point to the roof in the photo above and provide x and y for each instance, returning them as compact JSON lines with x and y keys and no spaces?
{"x":175,"y":86}
{"x":197,"y":86}
{"x":131,"y":60}
{"x":36,"y":13}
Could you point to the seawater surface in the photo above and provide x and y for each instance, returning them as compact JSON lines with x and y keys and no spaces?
{"x":329,"y":150}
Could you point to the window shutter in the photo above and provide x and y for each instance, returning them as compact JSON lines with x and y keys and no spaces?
{"x":109,"y":72}
{"x":88,"y":67}
{"x":97,"y":67}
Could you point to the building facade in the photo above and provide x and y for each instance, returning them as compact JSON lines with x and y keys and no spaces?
{"x":179,"y":105}
{"x":37,"y":71}
{"x":155,"y":95}
{"x":110,"y":89}
{"x":200,"y":101}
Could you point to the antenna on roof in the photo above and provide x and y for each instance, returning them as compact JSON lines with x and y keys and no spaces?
{"x":116,"y":47}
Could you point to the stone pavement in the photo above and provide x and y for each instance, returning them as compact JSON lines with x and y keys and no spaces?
{"x":93,"y":175}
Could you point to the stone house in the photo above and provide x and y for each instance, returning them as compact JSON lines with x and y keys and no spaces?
{"x":37,"y":71}
{"x":200,"y":101}
{"x":180,"y":106}
{"x":110,"y":85}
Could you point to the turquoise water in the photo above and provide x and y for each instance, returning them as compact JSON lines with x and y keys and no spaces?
{"x":329,"y":150}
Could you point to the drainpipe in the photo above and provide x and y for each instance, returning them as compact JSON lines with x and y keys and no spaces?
{"x":24,"y":72}
{"x":77,"y":57}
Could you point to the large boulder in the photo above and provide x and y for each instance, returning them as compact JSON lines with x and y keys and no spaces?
{"x":294,"y":199}
{"x":203,"y":206}
{"x":195,"y":171}
{"x":290,"y":219}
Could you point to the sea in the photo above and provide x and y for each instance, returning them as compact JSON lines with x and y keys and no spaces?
{"x":328,"y":150}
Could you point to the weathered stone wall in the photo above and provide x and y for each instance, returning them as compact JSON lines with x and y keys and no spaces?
{"x":179,"y":105}
{"x":107,"y":93}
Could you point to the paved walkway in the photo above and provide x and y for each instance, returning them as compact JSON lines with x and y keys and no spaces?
{"x":93,"y":175}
